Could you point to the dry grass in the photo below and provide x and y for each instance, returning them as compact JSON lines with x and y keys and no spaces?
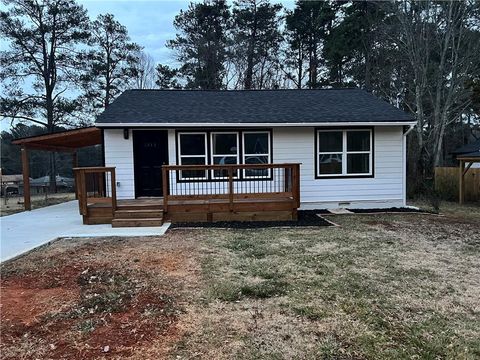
{"x":378,"y":287}
{"x":14,"y":204}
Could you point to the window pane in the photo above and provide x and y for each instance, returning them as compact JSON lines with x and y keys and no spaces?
{"x":187,"y":174}
{"x":256,"y":160}
{"x":330,"y":141}
{"x":192,"y":144}
{"x":224,"y":144}
{"x":358,"y":140}
{"x":329,"y":164}
{"x":224,"y":160}
{"x":256,"y":143}
{"x":358,"y":163}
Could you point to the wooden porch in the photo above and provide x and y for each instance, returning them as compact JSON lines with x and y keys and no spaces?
{"x":193,"y":193}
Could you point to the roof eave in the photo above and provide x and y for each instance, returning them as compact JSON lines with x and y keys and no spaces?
{"x":263,"y":124}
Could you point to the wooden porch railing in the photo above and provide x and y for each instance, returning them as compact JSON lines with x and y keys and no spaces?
{"x":230,"y":182}
{"x":95,"y":185}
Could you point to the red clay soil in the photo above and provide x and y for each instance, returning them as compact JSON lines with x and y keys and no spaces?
{"x":108,"y":300}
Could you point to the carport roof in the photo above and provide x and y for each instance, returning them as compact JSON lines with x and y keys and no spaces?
{"x":68,"y":140}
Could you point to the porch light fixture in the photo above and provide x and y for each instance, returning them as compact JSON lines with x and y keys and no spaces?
{"x":125,"y":134}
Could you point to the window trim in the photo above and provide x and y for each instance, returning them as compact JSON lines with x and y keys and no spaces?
{"x":345,"y":153}
{"x":180,"y":156}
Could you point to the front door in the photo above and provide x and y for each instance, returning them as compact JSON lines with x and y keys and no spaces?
{"x":150,"y":148}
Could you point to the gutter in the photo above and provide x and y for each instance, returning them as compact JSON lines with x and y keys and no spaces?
{"x":118,"y":125}
{"x":410,"y":128}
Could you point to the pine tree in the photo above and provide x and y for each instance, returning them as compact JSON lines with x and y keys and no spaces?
{"x":201,"y":44}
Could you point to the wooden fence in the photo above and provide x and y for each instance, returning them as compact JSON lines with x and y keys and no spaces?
{"x":447,"y":180}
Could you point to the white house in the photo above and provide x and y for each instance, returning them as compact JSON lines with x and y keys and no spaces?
{"x":351,"y":146}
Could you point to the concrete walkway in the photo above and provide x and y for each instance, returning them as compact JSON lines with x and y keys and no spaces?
{"x":27,"y":230}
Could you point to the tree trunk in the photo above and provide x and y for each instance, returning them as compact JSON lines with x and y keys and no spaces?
{"x":251,"y":52}
{"x":51,"y":129}
{"x":300,"y":67}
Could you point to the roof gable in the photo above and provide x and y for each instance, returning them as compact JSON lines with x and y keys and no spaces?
{"x":249,"y":107}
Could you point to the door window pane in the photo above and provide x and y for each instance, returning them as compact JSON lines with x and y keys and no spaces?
{"x":358,"y":163}
{"x":330,"y":141}
{"x":358,"y":140}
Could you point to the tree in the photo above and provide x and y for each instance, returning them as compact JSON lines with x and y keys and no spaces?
{"x":201,"y":44}
{"x":307,"y":27}
{"x":352,"y":45}
{"x":42,"y":37}
{"x":111,"y":64}
{"x":257,"y":37}
{"x":166,"y":77}
{"x":144,"y":71}
{"x":442,"y":47}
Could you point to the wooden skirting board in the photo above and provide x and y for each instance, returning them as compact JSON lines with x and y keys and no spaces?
{"x":151,"y":214}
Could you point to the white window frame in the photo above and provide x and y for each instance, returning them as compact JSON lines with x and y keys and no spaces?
{"x":180,"y":156}
{"x":268,"y":155}
{"x":213,"y":155}
{"x":344,"y":154}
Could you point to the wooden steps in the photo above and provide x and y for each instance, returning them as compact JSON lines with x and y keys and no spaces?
{"x":137,"y":222}
{"x":138,"y":215}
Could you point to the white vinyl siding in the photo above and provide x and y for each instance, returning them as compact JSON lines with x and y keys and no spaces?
{"x":385,"y":189}
{"x":119,"y":153}
{"x":291,"y":145}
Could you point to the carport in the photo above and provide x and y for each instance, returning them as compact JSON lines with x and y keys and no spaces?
{"x":65,"y":141}
{"x":470,"y":159}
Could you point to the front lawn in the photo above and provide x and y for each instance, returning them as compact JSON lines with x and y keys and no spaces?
{"x":377,"y":287}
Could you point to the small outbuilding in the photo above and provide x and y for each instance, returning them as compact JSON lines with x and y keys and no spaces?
{"x":469,"y":156}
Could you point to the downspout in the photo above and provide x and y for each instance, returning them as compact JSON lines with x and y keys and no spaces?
{"x":404,"y":154}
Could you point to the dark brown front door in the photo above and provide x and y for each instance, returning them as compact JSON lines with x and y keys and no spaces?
{"x":150,"y":148}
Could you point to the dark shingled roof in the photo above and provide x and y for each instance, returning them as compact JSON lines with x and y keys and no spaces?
{"x":249,"y":107}
{"x":475,"y":154}
{"x":471,"y":148}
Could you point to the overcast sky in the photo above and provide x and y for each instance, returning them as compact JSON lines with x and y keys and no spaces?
{"x":149,"y":23}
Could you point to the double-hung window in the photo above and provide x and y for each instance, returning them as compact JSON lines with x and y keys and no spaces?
{"x":224,"y":151}
{"x":192,"y":150}
{"x":344,"y":153}
{"x":256,"y":150}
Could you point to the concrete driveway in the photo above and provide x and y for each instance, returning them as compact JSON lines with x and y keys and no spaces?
{"x":27,"y":230}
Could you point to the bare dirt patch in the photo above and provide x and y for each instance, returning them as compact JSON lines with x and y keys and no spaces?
{"x":90,"y":299}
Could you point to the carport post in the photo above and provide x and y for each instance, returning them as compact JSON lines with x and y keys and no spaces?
{"x":461,"y":193}
{"x":26,"y":179}
{"x":75,"y":165}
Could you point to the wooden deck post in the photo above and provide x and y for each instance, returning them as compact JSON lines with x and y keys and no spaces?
{"x":165,"y":177}
{"x":230,"y":187}
{"x":75,"y":165}
{"x":26,"y":179}
{"x":461,"y":194}
{"x":296,"y":184}
{"x":114,"y":190}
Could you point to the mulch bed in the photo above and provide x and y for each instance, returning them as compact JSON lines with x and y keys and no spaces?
{"x":390,"y":210}
{"x":305,"y":218}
